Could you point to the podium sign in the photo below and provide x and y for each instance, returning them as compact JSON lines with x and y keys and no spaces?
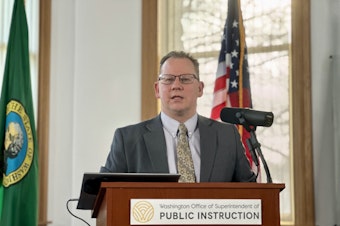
{"x":116,"y":200}
{"x":195,"y":212}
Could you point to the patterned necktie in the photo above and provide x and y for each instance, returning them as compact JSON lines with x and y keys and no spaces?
{"x":185,"y":164}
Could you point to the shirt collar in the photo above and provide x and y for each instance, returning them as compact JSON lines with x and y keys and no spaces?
{"x":171,"y":124}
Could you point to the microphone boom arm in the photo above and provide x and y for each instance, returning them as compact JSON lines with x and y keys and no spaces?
{"x":254,"y":146}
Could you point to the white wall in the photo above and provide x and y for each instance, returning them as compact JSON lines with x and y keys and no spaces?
{"x":95,"y":88}
{"x":326,"y":109}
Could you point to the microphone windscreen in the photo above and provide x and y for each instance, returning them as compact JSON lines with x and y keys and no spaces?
{"x":259,"y":118}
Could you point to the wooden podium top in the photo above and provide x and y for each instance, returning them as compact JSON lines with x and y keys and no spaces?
{"x":240,"y":185}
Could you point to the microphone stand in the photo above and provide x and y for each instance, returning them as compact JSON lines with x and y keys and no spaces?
{"x":254,"y":146}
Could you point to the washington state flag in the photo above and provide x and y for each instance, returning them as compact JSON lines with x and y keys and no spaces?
{"x":18,"y":141}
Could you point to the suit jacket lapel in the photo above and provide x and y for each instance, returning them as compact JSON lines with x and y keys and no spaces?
{"x":156,"y":146}
{"x":208,"y":144}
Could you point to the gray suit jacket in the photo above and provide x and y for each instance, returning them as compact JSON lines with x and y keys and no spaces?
{"x":141,"y":148}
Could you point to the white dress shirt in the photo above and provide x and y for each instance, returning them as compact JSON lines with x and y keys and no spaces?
{"x":170,"y":127}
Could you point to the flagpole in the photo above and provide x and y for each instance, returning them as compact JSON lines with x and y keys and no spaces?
{"x":242,"y":41}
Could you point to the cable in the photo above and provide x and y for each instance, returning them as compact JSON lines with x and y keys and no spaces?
{"x":73,"y":200}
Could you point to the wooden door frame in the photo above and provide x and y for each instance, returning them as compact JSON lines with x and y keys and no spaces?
{"x":43,"y":106}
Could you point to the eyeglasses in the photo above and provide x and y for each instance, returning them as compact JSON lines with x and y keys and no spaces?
{"x":168,"y":79}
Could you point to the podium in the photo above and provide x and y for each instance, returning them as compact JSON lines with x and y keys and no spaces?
{"x":112,"y":204}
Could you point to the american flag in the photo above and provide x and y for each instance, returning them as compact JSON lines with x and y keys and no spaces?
{"x":232,"y":86}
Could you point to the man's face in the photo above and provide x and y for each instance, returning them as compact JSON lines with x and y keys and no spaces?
{"x":179,"y":100}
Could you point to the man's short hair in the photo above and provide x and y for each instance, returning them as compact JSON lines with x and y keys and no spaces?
{"x":180,"y":54}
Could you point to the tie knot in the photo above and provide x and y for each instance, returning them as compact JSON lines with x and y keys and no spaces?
{"x":182,"y":129}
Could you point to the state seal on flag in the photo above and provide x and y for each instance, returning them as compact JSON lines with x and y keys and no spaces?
{"x":19,"y":145}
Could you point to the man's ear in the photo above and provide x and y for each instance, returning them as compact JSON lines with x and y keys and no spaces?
{"x":156,"y":89}
{"x":200,"y":89}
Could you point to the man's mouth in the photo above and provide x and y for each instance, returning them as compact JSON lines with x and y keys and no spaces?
{"x":176,"y":97}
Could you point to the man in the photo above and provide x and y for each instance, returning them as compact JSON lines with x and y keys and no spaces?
{"x":216,"y":150}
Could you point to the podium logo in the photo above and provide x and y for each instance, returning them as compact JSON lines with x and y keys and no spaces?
{"x":143,"y":211}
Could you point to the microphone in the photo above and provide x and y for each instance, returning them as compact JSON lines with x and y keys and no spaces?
{"x":251,"y":117}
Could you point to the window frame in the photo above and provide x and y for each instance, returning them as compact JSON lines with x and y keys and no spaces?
{"x":300,"y":98}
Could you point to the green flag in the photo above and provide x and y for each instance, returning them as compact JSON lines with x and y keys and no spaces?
{"x":18,"y":142}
